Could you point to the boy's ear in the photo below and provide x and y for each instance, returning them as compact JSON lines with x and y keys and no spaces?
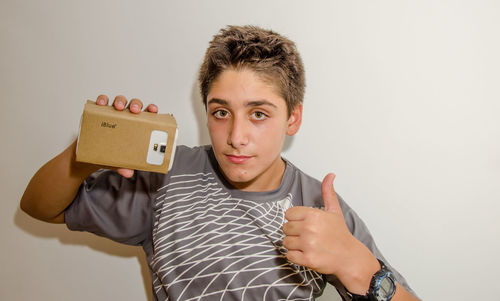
{"x":294,"y":121}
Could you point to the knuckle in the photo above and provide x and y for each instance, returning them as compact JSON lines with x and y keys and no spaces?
{"x":310,"y":261}
{"x":102,"y":99}
{"x":135,"y":105}
{"x":152,"y":108}
{"x":286,"y":228}
{"x":315,"y":214}
{"x":309,"y":244}
{"x":310,"y":228}
{"x":307,"y":260}
{"x":294,"y":257}
{"x":121,"y":99}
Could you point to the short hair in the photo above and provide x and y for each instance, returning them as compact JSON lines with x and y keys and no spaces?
{"x":272,"y":56}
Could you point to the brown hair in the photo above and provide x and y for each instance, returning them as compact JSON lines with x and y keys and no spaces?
{"x":272,"y":56}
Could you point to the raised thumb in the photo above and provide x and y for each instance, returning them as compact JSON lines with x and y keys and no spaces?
{"x":329,"y":196}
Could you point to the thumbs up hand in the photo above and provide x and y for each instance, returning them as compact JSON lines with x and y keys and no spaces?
{"x":320,"y":240}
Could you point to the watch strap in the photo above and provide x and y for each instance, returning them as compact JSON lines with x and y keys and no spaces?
{"x":369,"y":296}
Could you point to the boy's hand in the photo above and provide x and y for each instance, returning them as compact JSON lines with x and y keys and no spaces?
{"x":120,"y":104}
{"x":320,"y":240}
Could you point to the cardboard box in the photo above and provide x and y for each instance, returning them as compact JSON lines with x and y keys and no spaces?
{"x":109,"y":137}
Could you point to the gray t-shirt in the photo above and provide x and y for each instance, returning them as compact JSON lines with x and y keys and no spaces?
{"x":204,"y":239}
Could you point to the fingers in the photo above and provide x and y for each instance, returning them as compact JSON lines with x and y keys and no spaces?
{"x":329,"y":195}
{"x":135,"y":105}
{"x":152,"y":108}
{"x":298,"y":256}
{"x":292,"y":243}
{"x":125,"y":172}
{"x":298,"y":213}
{"x":295,"y":256}
{"x":120,"y":103}
{"x":292,"y":228}
{"x":102,"y":100}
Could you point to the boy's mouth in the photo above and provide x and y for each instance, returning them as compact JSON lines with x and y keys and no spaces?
{"x":238,"y":159}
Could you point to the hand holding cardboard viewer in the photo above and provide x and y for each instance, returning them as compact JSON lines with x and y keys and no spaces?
{"x":117,"y":138}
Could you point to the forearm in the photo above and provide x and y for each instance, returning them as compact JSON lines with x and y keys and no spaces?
{"x":403,"y":295}
{"x":357,"y":275}
{"x":358,"y":267}
{"x":54,"y":186}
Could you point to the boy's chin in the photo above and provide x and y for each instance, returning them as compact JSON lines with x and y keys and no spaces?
{"x":238,"y":179}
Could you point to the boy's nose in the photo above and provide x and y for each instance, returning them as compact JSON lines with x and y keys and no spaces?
{"x":238,"y":134}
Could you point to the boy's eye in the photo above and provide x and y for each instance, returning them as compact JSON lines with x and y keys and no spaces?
{"x":259,"y":115}
{"x":220,"y":114}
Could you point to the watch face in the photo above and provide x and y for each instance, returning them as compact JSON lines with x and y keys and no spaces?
{"x":386,"y":287}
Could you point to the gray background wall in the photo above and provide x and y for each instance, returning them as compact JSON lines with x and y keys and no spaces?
{"x":402,"y":103}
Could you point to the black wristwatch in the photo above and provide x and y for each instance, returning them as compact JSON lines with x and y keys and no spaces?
{"x":382,"y":286}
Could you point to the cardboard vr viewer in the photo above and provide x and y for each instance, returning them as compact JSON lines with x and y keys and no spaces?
{"x":109,"y":137}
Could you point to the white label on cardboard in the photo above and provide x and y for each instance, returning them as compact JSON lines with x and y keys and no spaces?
{"x":157,"y":147}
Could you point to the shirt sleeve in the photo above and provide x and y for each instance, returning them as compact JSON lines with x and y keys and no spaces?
{"x":112,"y":206}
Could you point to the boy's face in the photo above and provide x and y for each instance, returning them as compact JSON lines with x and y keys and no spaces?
{"x":247,"y":120}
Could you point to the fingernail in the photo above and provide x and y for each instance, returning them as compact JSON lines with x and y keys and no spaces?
{"x":100,"y":102}
{"x":135,"y":107}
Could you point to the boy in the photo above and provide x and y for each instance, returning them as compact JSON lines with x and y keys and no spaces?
{"x":232,"y":220}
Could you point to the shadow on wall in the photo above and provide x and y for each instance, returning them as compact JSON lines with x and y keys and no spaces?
{"x":65,"y":236}
{"x":60,"y":231}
